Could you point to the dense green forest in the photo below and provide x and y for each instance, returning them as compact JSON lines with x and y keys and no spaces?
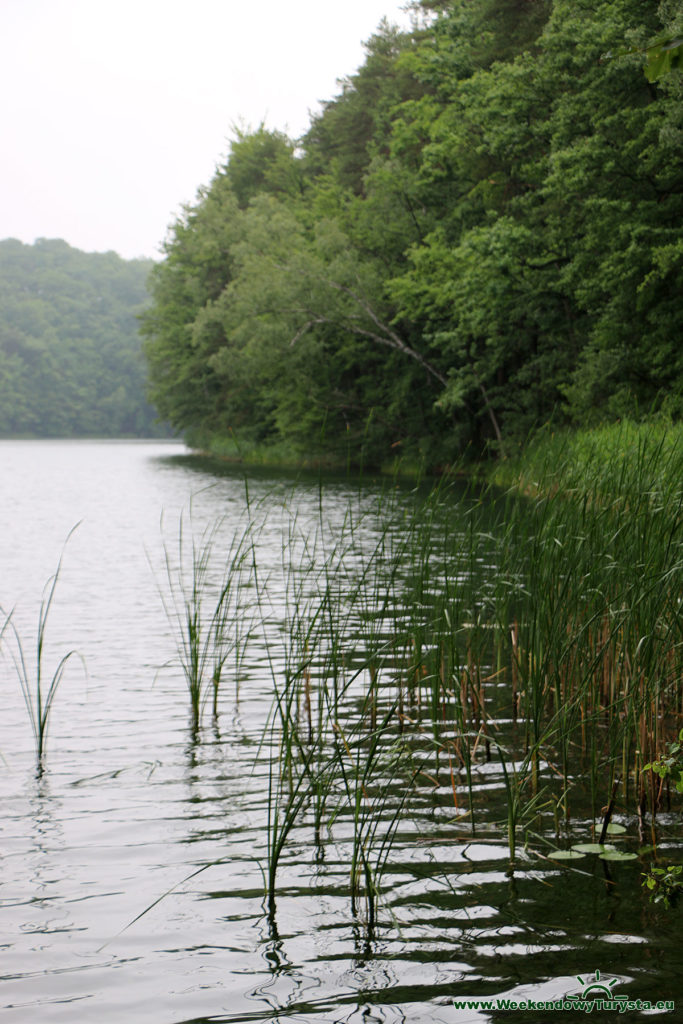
{"x":480,"y":233}
{"x":70,"y":351}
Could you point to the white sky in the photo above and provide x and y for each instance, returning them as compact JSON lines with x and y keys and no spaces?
{"x":114,"y":112}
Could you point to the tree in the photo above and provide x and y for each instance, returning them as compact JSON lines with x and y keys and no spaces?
{"x":480,"y":232}
{"x":70,"y":355}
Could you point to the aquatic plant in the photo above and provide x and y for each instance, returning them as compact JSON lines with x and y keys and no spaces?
{"x":670,"y":767}
{"x":432,"y":630}
{"x":371,"y":766}
{"x":322,"y":621}
{"x":39,"y":686}
{"x":205,"y":605}
{"x":664,"y":884}
{"x":596,"y":651}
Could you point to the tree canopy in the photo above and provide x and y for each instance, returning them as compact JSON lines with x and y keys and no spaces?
{"x":481,"y":231}
{"x":70,"y":352}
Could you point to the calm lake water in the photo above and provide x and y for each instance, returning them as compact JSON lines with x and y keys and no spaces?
{"x":132,"y":870}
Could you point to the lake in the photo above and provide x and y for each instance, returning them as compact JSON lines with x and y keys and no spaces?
{"x":134,"y":866}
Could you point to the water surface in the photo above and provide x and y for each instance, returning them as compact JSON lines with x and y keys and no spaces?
{"x":132,"y":868}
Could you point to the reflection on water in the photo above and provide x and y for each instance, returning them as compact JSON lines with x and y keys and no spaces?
{"x":132,"y":875}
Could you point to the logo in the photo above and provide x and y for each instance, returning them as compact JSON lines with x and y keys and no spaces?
{"x":596,"y":988}
{"x":596,"y":994}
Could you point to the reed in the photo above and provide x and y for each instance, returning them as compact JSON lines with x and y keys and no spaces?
{"x":597,"y":624}
{"x":538,"y":626}
{"x":287,"y":737}
{"x":326,"y":619}
{"x":370,"y":765}
{"x":39,"y":686}
{"x":203,"y":597}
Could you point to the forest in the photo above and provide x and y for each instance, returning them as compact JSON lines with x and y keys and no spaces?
{"x":70,"y":353}
{"x":479,"y":235}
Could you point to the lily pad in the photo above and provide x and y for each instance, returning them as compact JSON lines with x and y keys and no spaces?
{"x":615,"y":830}
{"x":618,"y":855}
{"x":593,"y":847}
{"x":566,"y":855}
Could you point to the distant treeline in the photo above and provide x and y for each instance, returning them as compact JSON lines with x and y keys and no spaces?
{"x":70,"y":351}
{"x":480,"y":232}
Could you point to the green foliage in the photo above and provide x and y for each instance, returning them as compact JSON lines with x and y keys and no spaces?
{"x":356,"y":126}
{"x":571,"y":153}
{"x":477,"y":235}
{"x":663,"y":57}
{"x":671,"y":766}
{"x":262,"y":161}
{"x":665,"y":885}
{"x":70,"y":355}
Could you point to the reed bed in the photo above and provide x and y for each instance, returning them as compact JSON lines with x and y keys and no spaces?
{"x":533,"y":629}
{"x":596,"y":640}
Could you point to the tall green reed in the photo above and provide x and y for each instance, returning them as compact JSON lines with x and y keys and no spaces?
{"x":325,"y":669}
{"x":203,"y":596}
{"x":544,"y":626}
{"x":39,"y":685}
{"x":598,"y":549}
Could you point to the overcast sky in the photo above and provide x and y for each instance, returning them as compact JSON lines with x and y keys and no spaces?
{"x":114,"y":112}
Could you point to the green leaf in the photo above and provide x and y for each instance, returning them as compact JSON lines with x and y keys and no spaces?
{"x":664,"y":58}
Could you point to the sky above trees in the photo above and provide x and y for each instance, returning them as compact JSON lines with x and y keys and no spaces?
{"x":115,"y":112}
